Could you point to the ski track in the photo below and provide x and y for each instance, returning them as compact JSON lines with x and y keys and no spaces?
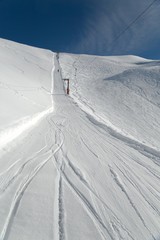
{"x":148,"y":170}
{"x":61,"y":211}
{"x":101,"y":227}
{"x":62,"y":162}
{"x":114,"y":221}
{"x":92,"y":192}
{"x":135,"y":185}
{"x":10,"y":174}
{"x":93,"y":117}
{"x":20,"y":192}
{"x":60,"y":167}
{"x":89,"y":148}
{"x":120,"y":184}
{"x":147,"y":151}
{"x":17,"y":198}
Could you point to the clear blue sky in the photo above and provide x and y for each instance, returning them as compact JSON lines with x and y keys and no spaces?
{"x":83,"y":26}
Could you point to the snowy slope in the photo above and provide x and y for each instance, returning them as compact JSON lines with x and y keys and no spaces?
{"x":84,"y":166}
{"x":24,"y":86}
{"x":123,"y":91}
{"x":23,"y":71}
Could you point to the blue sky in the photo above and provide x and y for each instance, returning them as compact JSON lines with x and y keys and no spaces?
{"x":83,"y":26}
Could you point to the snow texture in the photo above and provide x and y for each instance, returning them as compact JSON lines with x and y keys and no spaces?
{"x":80,"y":166}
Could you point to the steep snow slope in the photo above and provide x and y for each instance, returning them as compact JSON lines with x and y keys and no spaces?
{"x":84,"y":167}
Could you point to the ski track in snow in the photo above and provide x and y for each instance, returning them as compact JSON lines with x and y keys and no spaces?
{"x":61,"y":168}
{"x":117,"y":133}
{"x":63,"y":162}
{"x":61,"y":211}
{"x":133,"y":183}
{"x":17,"y":198}
{"x":89,"y":207}
{"x":122,"y":187}
{"x":9,"y":175}
{"x":21,"y":190}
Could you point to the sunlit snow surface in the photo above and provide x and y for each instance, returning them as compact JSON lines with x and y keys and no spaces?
{"x":20,"y":127}
{"x":84,"y":166}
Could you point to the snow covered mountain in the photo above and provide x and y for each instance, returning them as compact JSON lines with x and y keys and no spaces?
{"x":83,"y":166}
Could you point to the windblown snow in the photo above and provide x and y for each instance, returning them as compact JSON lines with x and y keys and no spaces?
{"x":80,"y":166}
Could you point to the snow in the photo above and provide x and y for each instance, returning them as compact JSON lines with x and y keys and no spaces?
{"x":24,"y":81}
{"x":84,"y":166}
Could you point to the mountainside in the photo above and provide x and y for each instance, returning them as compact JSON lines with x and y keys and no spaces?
{"x":83,"y":166}
{"x":123,"y":92}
